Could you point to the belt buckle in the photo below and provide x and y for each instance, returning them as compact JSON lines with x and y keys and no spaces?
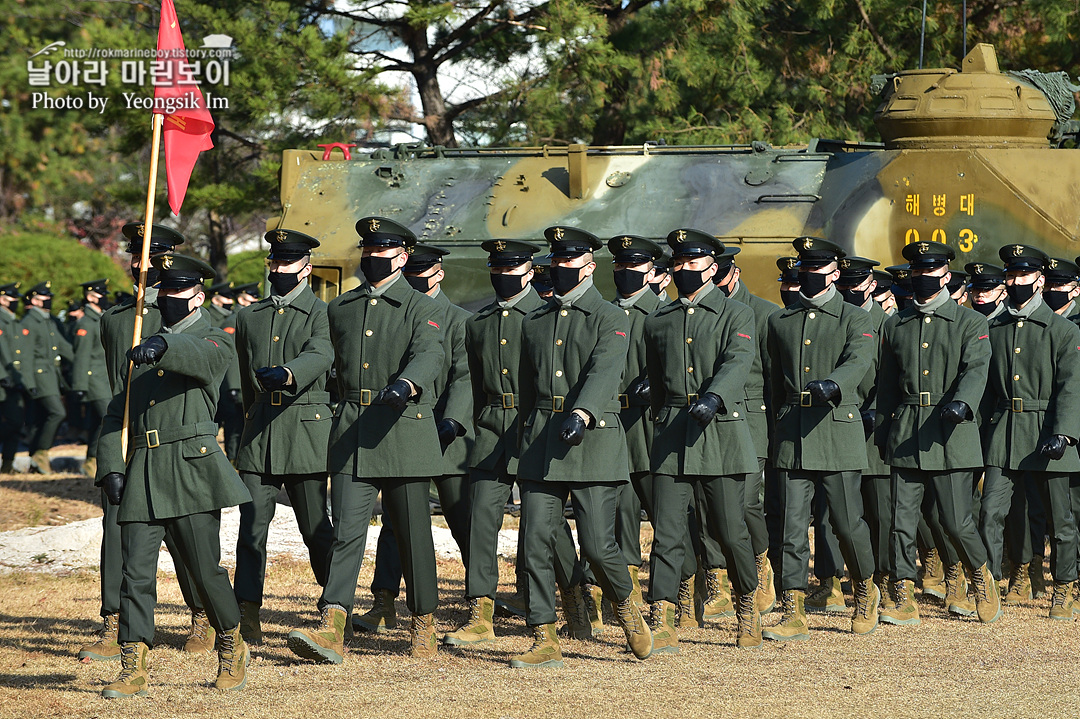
{"x":155,"y":442}
{"x":275,"y":398}
{"x":365,"y":397}
{"x":924,"y":399}
{"x":806,"y":399}
{"x":1017,"y":404}
{"x":690,"y":399}
{"x":557,"y":403}
{"x":505,"y":396}
{"x":624,"y":401}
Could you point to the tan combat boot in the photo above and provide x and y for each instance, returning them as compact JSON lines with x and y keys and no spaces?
{"x":867,"y":605}
{"x":41,"y":461}
{"x":933,"y":577}
{"x":957,"y":600}
{"x":828,"y":598}
{"x":201,"y":636}
{"x":577,"y":621}
{"x":1038,"y":577}
{"x":106,"y":648}
{"x":89,"y":467}
{"x":481,"y":625}
{"x":250,"y":624}
{"x":687,"y":616}
{"x":1019,"y":586}
{"x":884,"y":588}
{"x":716,"y":598}
{"x":134,"y":677}
{"x":1063,"y":601}
{"x":662,"y":625}
{"x":512,"y":606}
{"x":987,"y":595}
{"x":423,"y":643}
{"x":792,"y":624}
{"x":233,"y":658}
{"x":382,"y":617}
{"x":635,"y":581}
{"x":904,"y":610}
{"x":748,"y":630}
{"x":544,"y":652}
{"x":638,"y":635}
{"x":766,"y":586}
{"x":326,"y":643}
{"x":593,"y":598}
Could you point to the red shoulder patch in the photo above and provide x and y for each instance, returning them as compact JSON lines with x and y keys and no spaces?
{"x":212,"y":342}
{"x":745,"y":336}
{"x":81,"y":333}
{"x":230,"y":330}
{"x":867,"y":334}
{"x":985,"y":337}
{"x":433,"y":324}
{"x":621,"y":334}
{"x":25,"y":332}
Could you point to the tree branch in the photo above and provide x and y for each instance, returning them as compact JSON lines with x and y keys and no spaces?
{"x":462,"y":29}
{"x":873,"y":31}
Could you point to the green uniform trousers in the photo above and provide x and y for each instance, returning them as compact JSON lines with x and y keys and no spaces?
{"x":111,"y":571}
{"x":952,"y":499}
{"x":405,"y":500}
{"x":307,"y":494}
{"x":754,"y":496}
{"x":1004,"y":492}
{"x":595,"y":509}
{"x":95,"y":412}
{"x":231,"y":417}
{"x":11,"y":423}
{"x":194,"y":541}
{"x":454,"y":498}
{"x":877,"y":513}
{"x":843,"y":492}
{"x":725,"y":509}
{"x":48,"y":413}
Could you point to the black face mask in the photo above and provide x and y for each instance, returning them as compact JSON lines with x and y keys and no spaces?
{"x":903,"y":302}
{"x":655,"y":287}
{"x":689,"y":281}
{"x":722,"y":274}
{"x":789,"y":297}
{"x":46,"y":304}
{"x":507,"y":286}
{"x":283,"y":282}
{"x":377,"y":269}
{"x":1056,"y":298}
{"x":627,"y":281}
{"x":925,"y":286}
{"x":420,"y":284}
{"x":173,"y":309}
{"x":1020,"y":294}
{"x":984,"y":308}
{"x":152,"y":276}
{"x":854,"y":297}
{"x":812,"y":284}
{"x":564,"y":279}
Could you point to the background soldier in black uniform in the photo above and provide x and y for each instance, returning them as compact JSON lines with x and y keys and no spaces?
{"x":14,"y":380}
{"x":48,"y":347}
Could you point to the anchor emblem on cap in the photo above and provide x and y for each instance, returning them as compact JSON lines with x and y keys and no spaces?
{"x":978,"y":269}
{"x":681,"y":235}
{"x":282,"y":235}
{"x":166,"y":262}
{"x":500,"y":245}
{"x":923,"y":247}
{"x":626,"y":242}
{"x":1018,"y":250}
{"x":373,"y":225}
{"x":558,"y":233}
{"x":807,"y":243}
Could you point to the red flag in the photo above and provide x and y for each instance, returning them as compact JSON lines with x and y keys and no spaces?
{"x":187,"y":125}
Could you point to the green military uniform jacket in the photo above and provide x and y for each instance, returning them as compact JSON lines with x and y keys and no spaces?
{"x":89,"y":373}
{"x":174,"y":466}
{"x":48,"y":347}
{"x":453,"y":387}
{"x":573,"y":358}
{"x":232,"y":376}
{"x":218,"y":315}
{"x":837,"y":342}
{"x":13,"y":354}
{"x":381,"y":336}
{"x":493,"y":346}
{"x":927,"y":361}
{"x":875,"y":456}
{"x":1035,"y":378}
{"x":285,"y":432}
{"x":636,"y":417}
{"x":693,"y":349}
{"x":757,"y":382}
{"x":117,"y":328}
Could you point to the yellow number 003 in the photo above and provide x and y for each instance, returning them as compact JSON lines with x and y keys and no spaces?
{"x":966,"y":243}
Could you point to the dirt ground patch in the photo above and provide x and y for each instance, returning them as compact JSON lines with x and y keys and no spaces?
{"x":34,"y":500}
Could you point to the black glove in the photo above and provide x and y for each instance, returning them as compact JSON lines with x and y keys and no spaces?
{"x":641,"y":391}
{"x":1053,"y":447}
{"x":705,"y":408}
{"x":573,"y":430}
{"x":272,"y":379}
{"x":955,"y":411}
{"x":79,"y":395}
{"x":824,"y":391}
{"x":113,"y":484}
{"x":449,"y":430}
{"x":6,"y":382}
{"x":868,"y":418}
{"x":395,"y":395}
{"x":149,"y":352}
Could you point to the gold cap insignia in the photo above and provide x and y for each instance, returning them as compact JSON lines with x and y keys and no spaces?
{"x":1018,"y":250}
{"x":978,"y":269}
{"x":681,"y":235}
{"x":500,"y":245}
{"x":1053,"y":263}
{"x":166,"y":262}
{"x":922,"y":247}
{"x":373,"y":225}
{"x":48,"y":285}
{"x":807,"y":243}
{"x":792,"y":263}
{"x":141,"y":228}
{"x":626,"y":242}
{"x":282,"y":235}
{"x":902,"y":275}
{"x":845,"y":264}
{"x":558,"y":233}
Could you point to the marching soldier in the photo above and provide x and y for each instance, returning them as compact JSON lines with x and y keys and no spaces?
{"x":221,"y":303}
{"x":453,"y":411}
{"x":820,"y":349}
{"x":987,"y":288}
{"x":245,"y":295}
{"x":89,"y":374}
{"x":1031,"y":436}
{"x":774,"y":488}
{"x":700,"y":351}
{"x":882,"y":292}
{"x":47,"y":347}
{"x":284,"y":352}
{"x":541,"y":280}
{"x":175,"y":480}
{"x":788,"y":279}
{"x":958,"y":287}
{"x":13,"y":379}
{"x":661,"y":276}
{"x":117,"y":329}
{"x":388,"y":342}
{"x":1062,"y":286}
{"x":934,"y":359}
{"x":572,"y":442}
{"x":901,"y":286}
{"x":230,"y":414}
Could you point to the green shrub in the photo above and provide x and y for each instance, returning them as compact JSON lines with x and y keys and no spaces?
{"x":32,"y":257}
{"x":247,"y":267}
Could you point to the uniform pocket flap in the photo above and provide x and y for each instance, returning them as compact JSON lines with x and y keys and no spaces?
{"x":848,"y":413}
{"x":198,"y":447}
{"x":313,"y":413}
{"x":418,"y":412}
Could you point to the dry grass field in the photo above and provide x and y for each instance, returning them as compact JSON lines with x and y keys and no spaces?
{"x":1023,"y":666}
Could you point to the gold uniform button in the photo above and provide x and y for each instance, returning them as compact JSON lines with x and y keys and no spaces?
{"x":152,"y":403}
{"x":627,"y":312}
{"x":811,"y":315}
{"x":506,"y":313}
{"x":1015,"y":376}
{"x":734,"y":414}
{"x":250,"y":414}
{"x":374,"y":301}
{"x":318,"y":416}
{"x":690,"y":311}
{"x":18,"y":352}
{"x":558,"y":343}
{"x":850,"y":415}
{"x":1017,"y":350}
{"x":690,"y":370}
{"x":54,"y":349}
{"x":40,"y":371}
{"x":1020,"y":323}
{"x":926,"y":371}
{"x":366,"y":365}
{"x":603,"y":423}
{"x":926,"y":319}
{"x":160,"y":373}
{"x":806,"y":342}
{"x":368,"y":333}
{"x":925,"y":345}
{"x":276,"y":338}
{"x":762,"y":408}
{"x":144,"y":310}
{"x":563,"y":313}
{"x":805,"y":369}
{"x":202,"y":450}
{"x":91,"y":371}
{"x":558,"y":373}
{"x":689,"y":340}
{"x":419,"y":415}
{"x":502,"y":342}
{"x":505,"y":371}
{"x":281,"y":310}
